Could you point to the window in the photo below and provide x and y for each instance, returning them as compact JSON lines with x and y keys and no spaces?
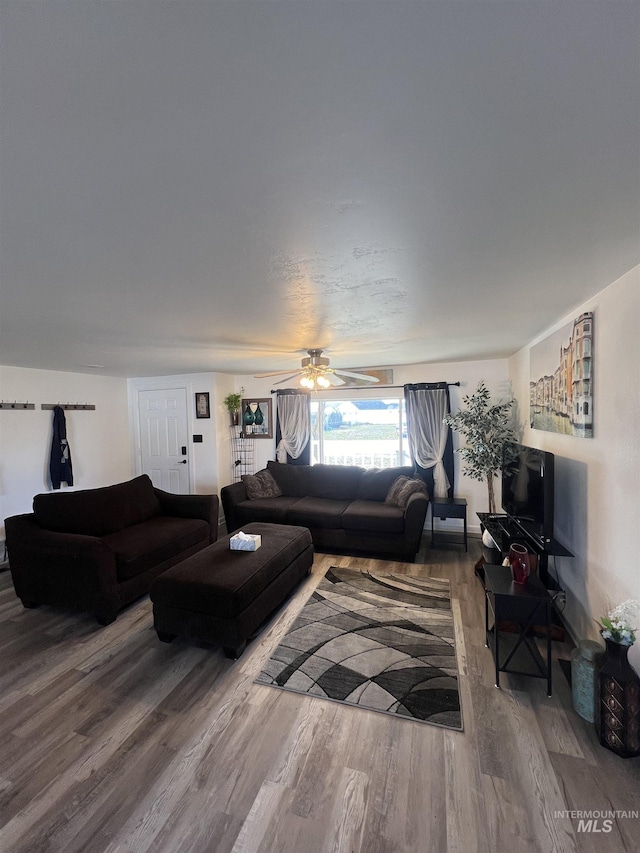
{"x":371,"y":433}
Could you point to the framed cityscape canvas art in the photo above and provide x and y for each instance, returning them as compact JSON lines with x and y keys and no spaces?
{"x":561,"y":380}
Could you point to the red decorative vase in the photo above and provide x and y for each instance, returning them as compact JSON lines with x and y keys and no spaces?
{"x":619,"y":702}
{"x":519,"y":562}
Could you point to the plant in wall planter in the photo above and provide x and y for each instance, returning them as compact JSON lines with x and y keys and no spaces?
{"x":233,"y":403}
{"x":488,"y":434}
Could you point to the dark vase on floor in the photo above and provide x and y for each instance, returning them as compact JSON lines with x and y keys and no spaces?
{"x":619,"y":706}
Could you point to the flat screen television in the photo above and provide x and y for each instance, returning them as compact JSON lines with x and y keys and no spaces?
{"x":527,"y":491}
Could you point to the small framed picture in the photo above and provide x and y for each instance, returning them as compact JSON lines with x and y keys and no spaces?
{"x":203,"y":409}
{"x":256,"y":419}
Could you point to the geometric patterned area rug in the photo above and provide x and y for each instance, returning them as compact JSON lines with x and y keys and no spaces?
{"x":384,"y":642}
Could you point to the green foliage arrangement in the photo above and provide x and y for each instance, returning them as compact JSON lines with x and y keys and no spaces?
{"x":487,"y":432}
{"x":233,"y":402}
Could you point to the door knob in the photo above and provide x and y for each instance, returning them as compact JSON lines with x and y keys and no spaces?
{"x":182,"y":462}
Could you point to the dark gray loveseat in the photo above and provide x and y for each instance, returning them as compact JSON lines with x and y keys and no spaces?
{"x":344,"y":507}
{"x":99,"y":549}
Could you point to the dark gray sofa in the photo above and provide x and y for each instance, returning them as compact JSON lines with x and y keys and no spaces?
{"x":343,"y":506}
{"x":99,"y":549}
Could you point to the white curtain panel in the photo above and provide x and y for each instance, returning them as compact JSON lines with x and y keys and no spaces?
{"x":426,"y":409}
{"x":295,"y":425}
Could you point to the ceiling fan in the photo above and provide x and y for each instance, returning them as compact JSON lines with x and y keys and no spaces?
{"x":316,"y":373}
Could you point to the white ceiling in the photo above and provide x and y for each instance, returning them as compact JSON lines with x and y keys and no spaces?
{"x":194,"y":186}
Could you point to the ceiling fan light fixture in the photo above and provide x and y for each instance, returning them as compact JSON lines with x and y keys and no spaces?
{"x":313,"y":377}
{"x":315,"y":359}
{"x":315,"y":373}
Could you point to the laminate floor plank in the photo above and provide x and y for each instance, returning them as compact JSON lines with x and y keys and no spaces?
{"x":464,"y":804}
{"x":20,"y":706}
{"x":587,"y":792}
{"x":36,"y":765}
{"x":509,"y":825}
{"x":539,"y":785}
{"x":262,"y":819}
{"x":112,"y":742}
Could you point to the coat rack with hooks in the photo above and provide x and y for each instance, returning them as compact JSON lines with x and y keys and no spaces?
{"x":69,"y":406}
{"x":5,"y":405}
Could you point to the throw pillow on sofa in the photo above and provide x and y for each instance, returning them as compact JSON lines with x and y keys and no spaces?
{"x":261,"y":485}
{"x":401,"y":490}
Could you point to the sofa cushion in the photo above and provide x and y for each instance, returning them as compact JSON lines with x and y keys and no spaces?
{"x":374,"y":516}
{"x":317,"y":512}
{"x":261,"y":485}
{"x":376,"y":482}
{"x":98,"y":512}
{"x":334,"y":482}
{"x":292,"y":479}
{"x":402,"y":489}
{"x":142,"y":546}
{"x":266,"y":510}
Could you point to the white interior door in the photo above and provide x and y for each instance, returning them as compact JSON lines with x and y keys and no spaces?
{"x":164,"y":439}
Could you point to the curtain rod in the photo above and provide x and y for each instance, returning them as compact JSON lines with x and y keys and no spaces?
{"x":369,"y":387}
{"x":435,"y":384}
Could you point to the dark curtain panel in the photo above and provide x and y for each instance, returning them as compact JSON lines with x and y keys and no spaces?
{"x":426,"y":404}
{"x":294,"y":423}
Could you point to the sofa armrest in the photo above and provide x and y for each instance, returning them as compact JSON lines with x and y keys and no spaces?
{"x":232,"y":495}
{"x":415,"y":514}
{"x":60,"y":568}
{"x":205,"y":507}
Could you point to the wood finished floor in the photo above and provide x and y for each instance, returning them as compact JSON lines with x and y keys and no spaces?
{"x":112,"y":741}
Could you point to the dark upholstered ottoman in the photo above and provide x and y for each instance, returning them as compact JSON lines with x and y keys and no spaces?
{"x":223,"y":596}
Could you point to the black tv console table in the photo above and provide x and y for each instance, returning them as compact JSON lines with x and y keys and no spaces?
{"x":504,"y":532}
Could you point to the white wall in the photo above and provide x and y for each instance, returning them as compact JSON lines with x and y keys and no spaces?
{"x":209,"y":459}
{"x":99,"y":440}
{"x":598,"y":480}
{"x":494,"y":372}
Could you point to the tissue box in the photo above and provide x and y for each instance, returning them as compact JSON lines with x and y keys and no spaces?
{"x":245,"y":542}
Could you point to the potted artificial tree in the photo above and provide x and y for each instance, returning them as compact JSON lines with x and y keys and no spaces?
{"x":488,"y":434}
{"x":233,"y":402}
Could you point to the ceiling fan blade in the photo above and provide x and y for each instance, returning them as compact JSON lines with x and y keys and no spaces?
{"x":273,"y":373}
{"x":287,"y":378}
{"x":363,"y":376}
{"x":333,"y":379}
